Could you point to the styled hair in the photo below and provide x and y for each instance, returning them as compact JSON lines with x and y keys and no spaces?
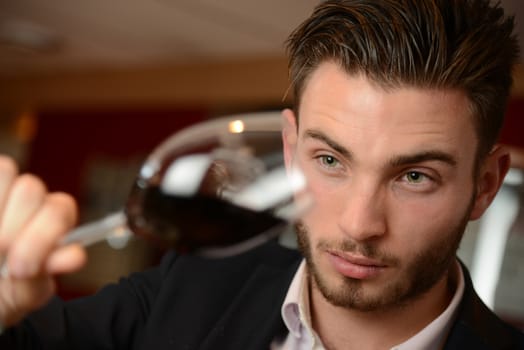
{"x":444,"y":44}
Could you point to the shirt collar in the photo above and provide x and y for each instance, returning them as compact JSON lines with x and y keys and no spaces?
{"x":297,"y":317}
{"x":296,"y":305}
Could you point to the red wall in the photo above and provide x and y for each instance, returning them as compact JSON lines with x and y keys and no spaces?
{"x":67,"y":138}
{"x":513,"y":131}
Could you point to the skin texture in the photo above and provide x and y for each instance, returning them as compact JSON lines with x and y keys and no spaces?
{"x":393,"y":181}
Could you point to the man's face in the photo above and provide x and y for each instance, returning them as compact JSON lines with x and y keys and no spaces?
{"x":391,"y":173}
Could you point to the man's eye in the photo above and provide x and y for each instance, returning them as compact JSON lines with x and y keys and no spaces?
{"x":328,"y":161}
{"x":415,"y":177}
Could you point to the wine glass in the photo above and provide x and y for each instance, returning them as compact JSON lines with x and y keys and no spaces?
{"x":216,"y":188}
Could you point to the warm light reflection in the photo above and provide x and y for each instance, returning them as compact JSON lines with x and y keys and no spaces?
{"x":120,"y":232}
{"x":25,"y":127}
{"x":119,"y":238}
{"x":236,"y":126}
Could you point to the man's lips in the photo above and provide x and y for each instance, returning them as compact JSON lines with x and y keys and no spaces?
{"x":355,"y":266}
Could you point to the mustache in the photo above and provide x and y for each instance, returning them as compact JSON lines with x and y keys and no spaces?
{"x":348,"y":246}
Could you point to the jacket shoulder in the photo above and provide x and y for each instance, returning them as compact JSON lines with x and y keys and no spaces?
{"x":478,"y":327}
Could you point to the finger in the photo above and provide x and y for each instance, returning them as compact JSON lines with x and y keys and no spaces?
{"x":66,"y":259}
{"x":29,"y":252}
{"x":25,"y":198}
{"x":8,"y":172}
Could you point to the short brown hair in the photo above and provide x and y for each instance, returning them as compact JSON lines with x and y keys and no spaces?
{"x":462,"y":44}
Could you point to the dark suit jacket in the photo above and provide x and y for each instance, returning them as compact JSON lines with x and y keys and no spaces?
{"x":193,"y":303}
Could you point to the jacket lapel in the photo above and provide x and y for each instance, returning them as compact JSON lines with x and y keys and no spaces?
{"x":476,"y":326}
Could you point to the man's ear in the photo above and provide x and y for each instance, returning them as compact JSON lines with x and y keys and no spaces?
{"x":289,"y":135}
{"x":491,"y":175}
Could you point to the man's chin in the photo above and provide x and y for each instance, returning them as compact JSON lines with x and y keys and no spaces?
{"x":364,"y":295}
{"x":352,"y":294}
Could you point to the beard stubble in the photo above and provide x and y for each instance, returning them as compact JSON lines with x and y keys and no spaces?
{"x":420,"y":274}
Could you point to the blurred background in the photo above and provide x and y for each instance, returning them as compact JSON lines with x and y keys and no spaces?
{"x":88,"y":88}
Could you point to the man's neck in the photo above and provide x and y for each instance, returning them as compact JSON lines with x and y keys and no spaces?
{"x":337,"y":326}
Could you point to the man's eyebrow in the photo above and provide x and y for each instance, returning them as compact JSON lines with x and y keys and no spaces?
{"x":320,"y":136}
{"x":401,"y":160}
{"x":424,"y":156}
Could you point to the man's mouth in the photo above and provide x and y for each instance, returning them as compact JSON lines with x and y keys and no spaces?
{"x":354,"y":265}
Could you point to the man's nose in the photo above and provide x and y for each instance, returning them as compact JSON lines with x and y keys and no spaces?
{"x":363,"y":215}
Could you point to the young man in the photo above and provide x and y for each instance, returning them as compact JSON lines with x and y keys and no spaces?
{"x":397,"y":108}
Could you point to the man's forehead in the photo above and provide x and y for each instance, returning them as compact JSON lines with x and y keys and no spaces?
{"x":353,"y":101}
